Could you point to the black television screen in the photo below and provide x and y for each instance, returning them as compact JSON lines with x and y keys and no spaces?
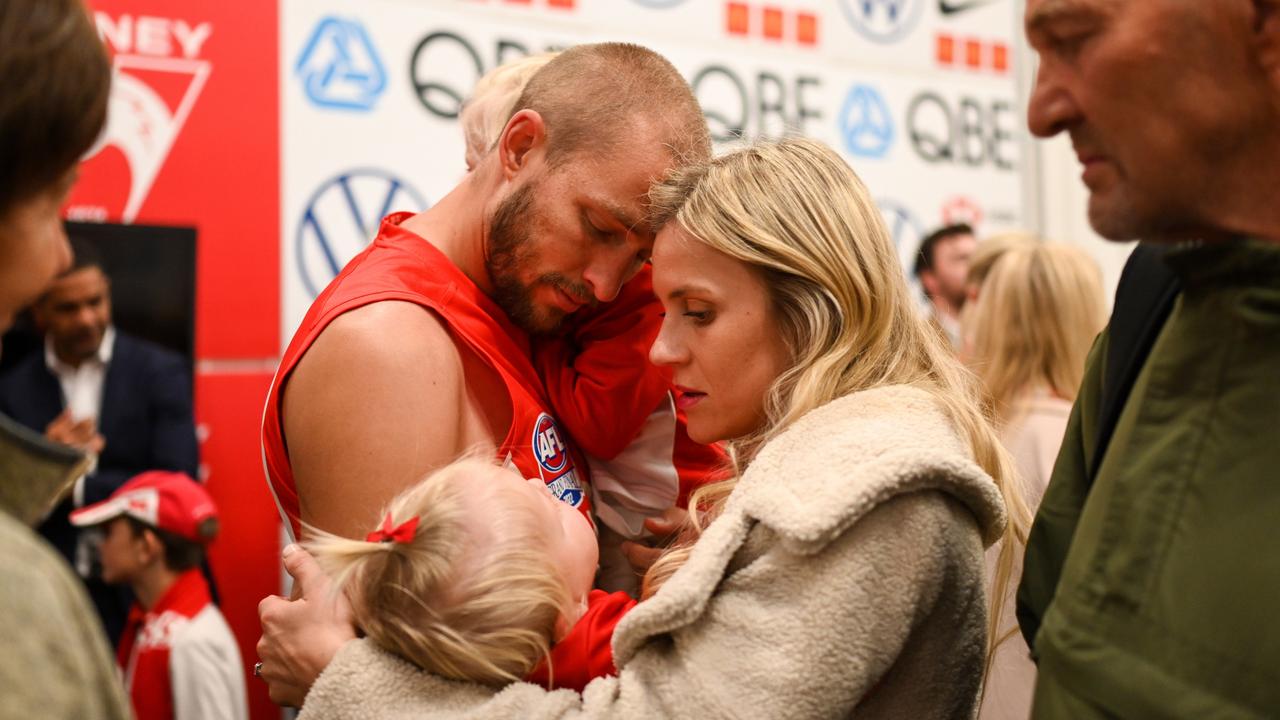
{"x":153,"y":286}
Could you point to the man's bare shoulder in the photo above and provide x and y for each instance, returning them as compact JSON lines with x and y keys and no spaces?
{"x":391,"y":325}
{"x":376,"y":352}
{"x":378,"y":396}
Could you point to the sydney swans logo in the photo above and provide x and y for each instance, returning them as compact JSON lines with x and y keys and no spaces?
{"x":157,"y":76}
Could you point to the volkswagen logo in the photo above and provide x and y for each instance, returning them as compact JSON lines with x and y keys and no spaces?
{"x":882,"y":21}
{"x":865,"y":123}
{"x":902,"y":225}
{"x":906,"y":232}
{"x":342,"y":217}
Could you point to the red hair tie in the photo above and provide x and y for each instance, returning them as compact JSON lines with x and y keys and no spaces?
{"x":402,"y":533}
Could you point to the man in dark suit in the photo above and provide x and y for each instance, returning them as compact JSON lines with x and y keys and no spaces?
{"x":99,"y":389}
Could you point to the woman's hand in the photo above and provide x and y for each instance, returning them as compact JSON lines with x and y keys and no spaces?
{"x":664,"y":529}
{"x":300,"y":637}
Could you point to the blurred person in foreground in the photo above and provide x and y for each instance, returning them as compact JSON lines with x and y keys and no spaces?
{"x":1153,"y":567}
{"x":942,"y":266}
{"x":1033,"y":312}
{"x":103,"y":390}
{"x":54,"y":82}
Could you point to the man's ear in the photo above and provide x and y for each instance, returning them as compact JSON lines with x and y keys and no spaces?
{"x":523,"y":139}
{"x":1266,"y":35}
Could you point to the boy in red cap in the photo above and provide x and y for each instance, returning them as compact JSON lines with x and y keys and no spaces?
{"x":177,"y":653}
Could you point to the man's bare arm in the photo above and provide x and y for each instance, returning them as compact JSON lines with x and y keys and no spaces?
{"x":377,"y":402}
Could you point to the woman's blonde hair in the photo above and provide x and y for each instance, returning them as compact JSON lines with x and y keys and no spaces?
{"x":484,"y":115}
{"x":796,"y":212}
{"x":1038,"y":309}
{"x":989,"y":251}
{"x":458,"y":602}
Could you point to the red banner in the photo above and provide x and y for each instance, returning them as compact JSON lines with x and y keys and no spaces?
{"x":193,"y":139}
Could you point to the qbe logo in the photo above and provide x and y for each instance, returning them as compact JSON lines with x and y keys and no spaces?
{"x":342,"y":216}
{"x":445,"y":66}
{"x":865,"y":123}
{"x":882,"y":21}
{"x":965,"y":131}
{"x":339,"y":66}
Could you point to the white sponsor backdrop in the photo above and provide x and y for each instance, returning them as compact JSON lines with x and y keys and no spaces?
{"x":918,"y":95}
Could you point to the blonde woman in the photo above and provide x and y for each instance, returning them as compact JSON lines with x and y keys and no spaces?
{"x":1037,"y":308}
{"x":984,"y":257}
{"x":841,"y":571}
{"x":1034,"y":311}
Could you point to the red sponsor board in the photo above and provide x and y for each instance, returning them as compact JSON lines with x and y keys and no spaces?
{"x":193,"y":139}
{"x":245,"y":557}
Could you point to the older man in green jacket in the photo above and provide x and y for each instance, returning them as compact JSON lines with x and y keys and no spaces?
{"x":1152,"y":573}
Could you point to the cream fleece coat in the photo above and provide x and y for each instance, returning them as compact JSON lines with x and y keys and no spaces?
{"x":844,"y":578}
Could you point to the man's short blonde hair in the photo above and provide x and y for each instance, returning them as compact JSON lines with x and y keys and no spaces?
{"x":597,"y":97}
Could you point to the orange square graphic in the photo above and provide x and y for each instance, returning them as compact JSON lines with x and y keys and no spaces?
{"x":807,"y":28}
{"x":946,"y":49}
{"x":973,"y":53}
{"x":737,"y":17}
{"x":1000,"y":57}
{"x":773,"y":20}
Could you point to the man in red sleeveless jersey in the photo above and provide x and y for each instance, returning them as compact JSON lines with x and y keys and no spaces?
{"x":418,"y":351}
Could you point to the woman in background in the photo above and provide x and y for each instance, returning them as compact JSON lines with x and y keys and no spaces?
{"x":1038,"y":306}
{"x":1033,"y":312}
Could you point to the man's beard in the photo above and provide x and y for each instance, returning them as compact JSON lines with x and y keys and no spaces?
{"x":510,"y":251}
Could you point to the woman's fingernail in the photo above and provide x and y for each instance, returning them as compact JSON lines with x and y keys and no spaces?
{"x":289,"y":549}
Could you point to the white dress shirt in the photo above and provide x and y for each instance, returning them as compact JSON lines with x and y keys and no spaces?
{"x":82,"y":386}
{"x":82,"y":391}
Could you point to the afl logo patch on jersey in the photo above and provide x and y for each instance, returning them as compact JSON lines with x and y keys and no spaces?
{"x":548,"y":445}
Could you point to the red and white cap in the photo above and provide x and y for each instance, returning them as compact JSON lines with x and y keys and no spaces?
{"x":169,"y":501}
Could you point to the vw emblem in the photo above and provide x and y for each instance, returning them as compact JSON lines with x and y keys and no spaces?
{"x":341,"y":218}
{"x":903,"y":227}
{"x":865,"y":123}
{"x":882,"y":21}
{"x":906,"y":232}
